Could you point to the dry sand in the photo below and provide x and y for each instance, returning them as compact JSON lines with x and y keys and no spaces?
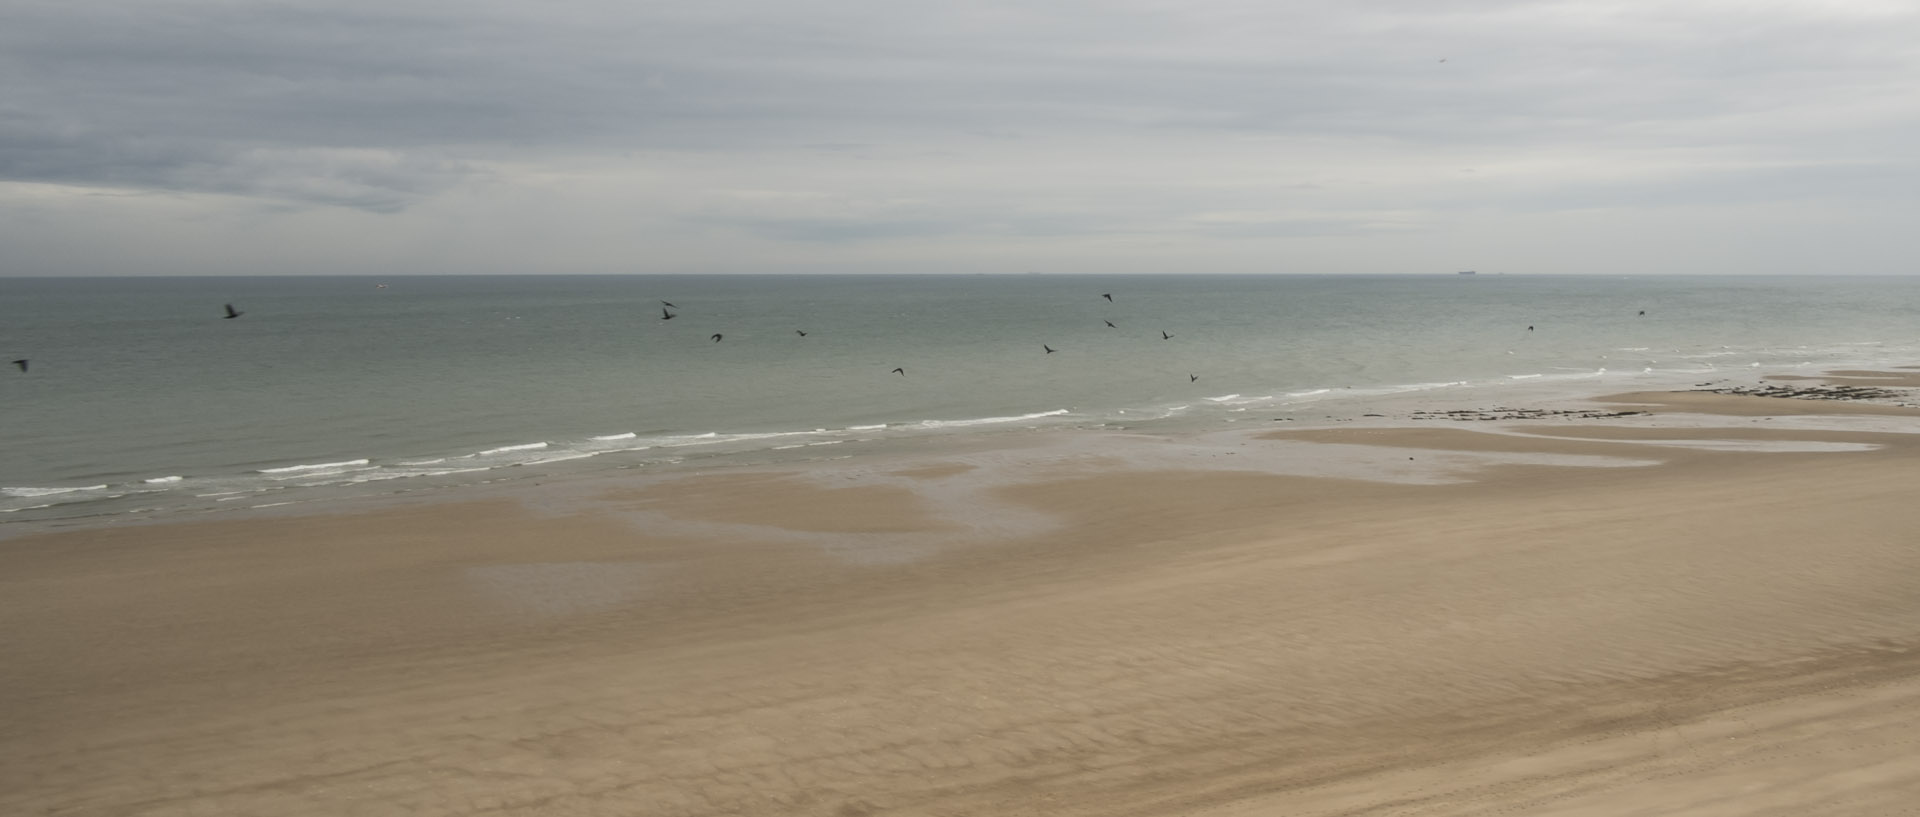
{"x":1729,"y":632}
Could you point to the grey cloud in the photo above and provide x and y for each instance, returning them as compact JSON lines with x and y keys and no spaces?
{"x":364,"y":178}
{"x":358,"y":75}
{"x":1252,"y":226}
{"x":1865,"y":183}
{"x":376,"y":106}
{"x":823,"y":230}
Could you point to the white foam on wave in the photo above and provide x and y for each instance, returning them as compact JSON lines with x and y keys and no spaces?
{"x":715,"y":438}
{"x":162,"y":480}
{"x":674,"y":440}
{"x":571,"y":455}
{"x":627,"y":436}
{"x":29,"y":491}
{"x":876,"y":427}
{"x":1223,"y":398}
{"x":384,"y":475}
{"x":623,"y":449}
{"x":1522,"y":376}
{"x":766,"y":435}
{"x":1308,"y":393}
{"x":312,"y":467}
{"x":1405,"y":388}
{"x":507,"y":448}
{"x":981,"y":421}
{"x":807,"y":445}
{"x":1446,"y":384}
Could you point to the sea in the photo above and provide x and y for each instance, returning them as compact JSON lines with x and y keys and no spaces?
{"x":141,"y":400}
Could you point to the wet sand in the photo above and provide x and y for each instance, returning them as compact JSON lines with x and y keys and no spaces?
{"x":1465,"y":618}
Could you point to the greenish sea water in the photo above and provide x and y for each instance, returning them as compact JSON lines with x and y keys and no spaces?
{"x":141,"y":398}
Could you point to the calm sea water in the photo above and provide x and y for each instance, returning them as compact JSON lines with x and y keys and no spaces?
{"x":142,"y":400}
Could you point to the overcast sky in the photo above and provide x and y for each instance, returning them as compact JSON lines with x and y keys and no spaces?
{"x":1082,"y":136}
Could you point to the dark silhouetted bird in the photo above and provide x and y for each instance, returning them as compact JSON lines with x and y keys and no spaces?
{"x":800,"y":333}
{"x":900,"y":372}
{"x":665,"y":315}
{"x":716,"y":337}
{"x":22,"y":363}
{"x":1050,"y":350}
{"x":1109,"y":323}
{"x":1165,"y":336}
{"x":1108,"y":296}
{"x":233,"y":313}
{"x":1191,"y":377}
{"x":664,"y":303}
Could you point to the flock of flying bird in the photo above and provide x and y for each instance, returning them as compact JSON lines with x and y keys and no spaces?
{"x":232,"y":313}
{"x":667,"y":314}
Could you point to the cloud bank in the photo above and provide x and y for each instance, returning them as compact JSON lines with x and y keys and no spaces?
{"x":585,"y":136}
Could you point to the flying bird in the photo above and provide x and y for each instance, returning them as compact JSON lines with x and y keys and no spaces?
{"x":1164,"y":335}
{"x":899,"y":371}
{"x":233,"y":313}
{"x":1191,"y":377}
{"x":801,"y":333}
{"x":1050,"y":350}
{"x":1108,"y":323}
{"x":1108,"y":296}
{"x":716,"y":337}
{"x":22,"y":363}
{"x":665,"y":315}
{"x":664,"y":303}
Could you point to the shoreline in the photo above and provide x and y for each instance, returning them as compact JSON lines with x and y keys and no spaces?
{"x":321,"y":480}
{"x":1548,"y":612}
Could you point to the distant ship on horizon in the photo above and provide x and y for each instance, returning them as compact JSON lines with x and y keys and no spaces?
{"x":1467,"y":272}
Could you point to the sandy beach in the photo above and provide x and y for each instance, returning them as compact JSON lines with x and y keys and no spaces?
{"x":1709,"y":608}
